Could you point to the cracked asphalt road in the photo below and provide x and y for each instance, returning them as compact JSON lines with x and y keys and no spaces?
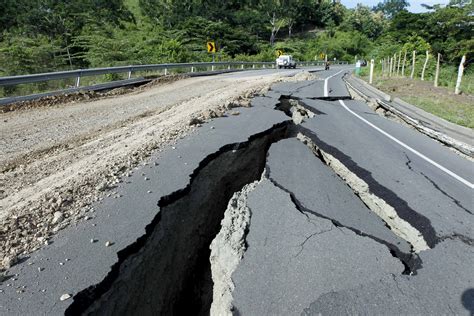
{"x":313,"y":246}
{"x":428,"y":185}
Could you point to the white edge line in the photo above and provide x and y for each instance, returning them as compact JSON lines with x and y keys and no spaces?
{"x":449,"y":172}
{"x":326,"y":92}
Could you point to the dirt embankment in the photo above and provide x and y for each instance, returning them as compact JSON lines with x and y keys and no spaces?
{"x":55,"y":160}
{"x":440,"y":101}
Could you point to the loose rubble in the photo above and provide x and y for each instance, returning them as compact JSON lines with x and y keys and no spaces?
{"x":50,"y":179}
{"x":65,"y":297}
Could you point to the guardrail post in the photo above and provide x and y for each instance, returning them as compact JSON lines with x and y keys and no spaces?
{"x":212,"y":68}
{"x":78,"y":80}
{"x":130,"y":73}
{"x":263,"y":66}
{"x":228,"y":67}
{"x":166,"y":71}
{"x":253,"y":66}
{"x":192,"y":69}
{"x":242,"y":66}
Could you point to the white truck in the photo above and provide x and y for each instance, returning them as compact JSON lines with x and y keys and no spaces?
{"x":286,"y":61}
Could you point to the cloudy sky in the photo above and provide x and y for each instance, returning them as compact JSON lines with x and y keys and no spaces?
{"x":415,"y":6}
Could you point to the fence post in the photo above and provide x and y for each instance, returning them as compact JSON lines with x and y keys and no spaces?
{"x":371,"y":75}
{"x":460,"y":73}
{"x":413,"y":65}
{"x":391,"y":65}
{"x":399,"y":59}
{"x":437,"y":71}
{"x":404,"y":61}
{"x":424,"y":66}
{"x":394,"y":70}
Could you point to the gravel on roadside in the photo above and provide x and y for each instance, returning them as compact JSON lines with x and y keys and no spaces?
{"x":56,"y":160}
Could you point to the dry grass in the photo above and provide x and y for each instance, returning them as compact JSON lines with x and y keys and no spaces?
{"x":439,"y":101}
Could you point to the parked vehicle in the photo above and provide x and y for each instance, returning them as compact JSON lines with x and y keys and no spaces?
{"x":362,"y":62}
{"x":286,"y":61}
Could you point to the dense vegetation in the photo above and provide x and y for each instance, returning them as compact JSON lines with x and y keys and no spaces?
{"x":48,"y":35}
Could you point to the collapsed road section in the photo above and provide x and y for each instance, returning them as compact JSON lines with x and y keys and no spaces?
{"x":288,"y":207}
{"x":203,"y":170}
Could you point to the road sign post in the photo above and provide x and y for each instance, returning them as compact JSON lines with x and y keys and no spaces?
{"x":211,"y":48}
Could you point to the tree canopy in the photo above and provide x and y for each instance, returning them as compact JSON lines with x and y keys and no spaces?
{"x":49,"y":35}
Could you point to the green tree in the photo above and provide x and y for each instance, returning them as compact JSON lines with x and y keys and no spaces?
{"x":391,"y":7}
{"x":362,"y":19}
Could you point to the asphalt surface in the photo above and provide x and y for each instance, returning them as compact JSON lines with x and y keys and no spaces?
{"x":119,"y":220}
{"x":329,"y":87}
{"x":435,"y":202}
{"x":293,"y":167}
{"x":313,"y":247}
{"x":457,"y":132}
{"x":294,"y":257}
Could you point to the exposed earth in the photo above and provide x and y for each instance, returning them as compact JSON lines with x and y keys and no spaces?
{"x":57,"y":158}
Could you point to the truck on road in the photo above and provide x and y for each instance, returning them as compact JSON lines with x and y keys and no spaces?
{"x":286,"y":61}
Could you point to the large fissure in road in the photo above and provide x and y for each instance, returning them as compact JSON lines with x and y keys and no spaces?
{"x":324,"y":151}
{"x":422,"y":234}
{"x":298,"y":110}
{"x":167,"y":270}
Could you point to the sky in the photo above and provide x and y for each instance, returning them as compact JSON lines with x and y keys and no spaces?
{"x":415,"y":6}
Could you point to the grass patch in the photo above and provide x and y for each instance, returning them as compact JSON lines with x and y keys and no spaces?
{"x":440,"y":101}
{"x":458,"y":113}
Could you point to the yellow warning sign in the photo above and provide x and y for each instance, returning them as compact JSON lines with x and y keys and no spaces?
{"x":322,"y":55}
{"x":279,"y":52}
{"x":211,"y":47}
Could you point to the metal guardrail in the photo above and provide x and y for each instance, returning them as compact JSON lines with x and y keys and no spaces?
{"x":23,"y":79}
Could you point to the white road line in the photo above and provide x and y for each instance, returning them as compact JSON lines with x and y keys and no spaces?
{"x":449,"y":172}
{"x":326,"y":92}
